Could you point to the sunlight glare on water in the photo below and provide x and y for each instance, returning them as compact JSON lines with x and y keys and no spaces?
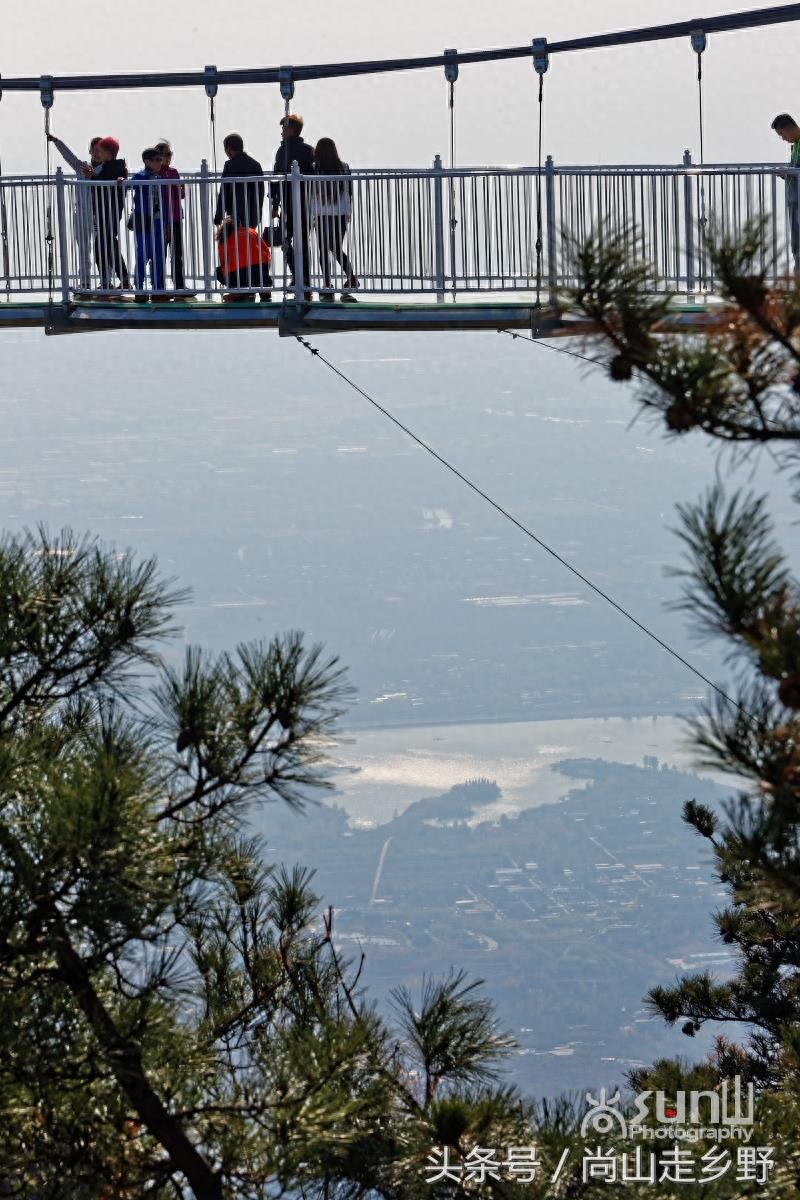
{"x":385,"y":770}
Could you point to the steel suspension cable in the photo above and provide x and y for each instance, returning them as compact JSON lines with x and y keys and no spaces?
{"x":212,"y":124}
{"x":698,"y":39}
{"x":451,"y":75}
{"x":539,"y":197}
{"x":286,"y":199}
{"x":452,"y":106}
{"x":4,"y":233}
{"x":541,"y":62}
{"x":700,"y":103}
{"x":48,"y":235}
{"x":315,"y":353}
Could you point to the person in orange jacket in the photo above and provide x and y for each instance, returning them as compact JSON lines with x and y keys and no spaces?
{"x":244,"y":260}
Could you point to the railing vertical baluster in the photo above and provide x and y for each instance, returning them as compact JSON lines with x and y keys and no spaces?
{"x":297,"y":236}
{"x":205,"y":229}
{"x":402,"y":223}
{"x":688,"y":216}
{"x":438,"y":233}
{"x":550,"y":207}
{"x":774,"y":224}
{"x":63,"y":244}
{"x":453,"y":222}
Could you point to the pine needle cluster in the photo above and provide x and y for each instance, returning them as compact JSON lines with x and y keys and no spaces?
{"x":740,"y":385}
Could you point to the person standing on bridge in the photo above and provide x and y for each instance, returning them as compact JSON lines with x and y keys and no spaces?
{"x":84,"y":169}
{"x":292,"y":149}
{"x":148,"y":225}
{"x":173,"y":214}
{"x":787,"y":128}
{"x":108,"y":203}
{"x":331,"y":208}
{"x":241,"y":197}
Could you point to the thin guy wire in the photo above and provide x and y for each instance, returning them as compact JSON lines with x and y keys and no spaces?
{"x":519,"y":525}
{"x":596,"y":362}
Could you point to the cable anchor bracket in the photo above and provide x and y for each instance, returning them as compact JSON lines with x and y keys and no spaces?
{"x":699,"y":41}
{"x":451,"y":65}
{"x":541,"y":59}
{"x":286,"y":80}
{"x":46,"y":91}
{"x":211,"y":84}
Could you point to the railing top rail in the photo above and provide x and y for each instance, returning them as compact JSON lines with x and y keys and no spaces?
{"x":424,"y":172}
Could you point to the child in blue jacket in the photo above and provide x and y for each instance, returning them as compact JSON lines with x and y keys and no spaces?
{"x":148,"y":224}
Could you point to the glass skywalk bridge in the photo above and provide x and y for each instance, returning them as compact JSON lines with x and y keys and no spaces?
{"x":470,"y":248}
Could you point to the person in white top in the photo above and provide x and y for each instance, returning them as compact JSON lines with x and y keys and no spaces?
{"x":331,"y":208}
{"x":83,"y":207}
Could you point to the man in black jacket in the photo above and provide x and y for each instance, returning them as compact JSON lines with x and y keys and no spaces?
{"x":108,"y":204}
{"x":292,"y":149}
{"x":241,"y":201}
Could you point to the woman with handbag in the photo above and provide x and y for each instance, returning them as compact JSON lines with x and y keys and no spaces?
{"x":331,"y":208}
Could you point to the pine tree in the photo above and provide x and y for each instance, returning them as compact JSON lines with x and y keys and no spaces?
{"x":175,"y":1017}
{"x":740,"y":385}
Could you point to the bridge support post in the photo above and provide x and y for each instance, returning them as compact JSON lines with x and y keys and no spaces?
{"x":299,"y":239}
{"x":552,"y":247}
{"x":61,"y":219}
{"x":688,"y":217}
{"x":205,"y":229}
{"x":438,"y":230}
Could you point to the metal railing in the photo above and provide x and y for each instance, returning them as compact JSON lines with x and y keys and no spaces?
{"x":434,"y":232}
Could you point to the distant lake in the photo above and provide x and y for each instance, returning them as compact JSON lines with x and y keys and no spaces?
{"x":384,"y":770}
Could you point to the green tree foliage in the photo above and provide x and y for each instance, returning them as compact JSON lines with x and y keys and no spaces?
{"x":175,"y":1018}
{"x":740,"y":385}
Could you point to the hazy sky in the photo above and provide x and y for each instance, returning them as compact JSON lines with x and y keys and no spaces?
{"x":625,"y":105}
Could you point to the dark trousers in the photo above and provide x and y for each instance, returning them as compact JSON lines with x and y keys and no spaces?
{"x":150,"y":251}
{"x":793,"y":213}
{"x":108,"y":254}
{"x":175,"y":242}
{"x":331,"y":232}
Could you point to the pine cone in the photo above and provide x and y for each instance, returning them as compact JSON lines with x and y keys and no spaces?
{"x":620,"y":369}
{"x":678,"y":418}
{"x":184,"y":739}
{"x":127,"y":629}
{"x":789,"y":691}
